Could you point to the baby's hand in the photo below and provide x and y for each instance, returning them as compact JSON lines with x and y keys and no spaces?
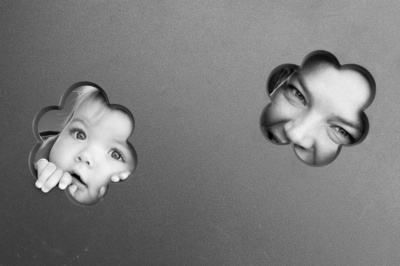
{"x":49,"y":175}
{"x":121,"y":176}
{"x":114,"y":178}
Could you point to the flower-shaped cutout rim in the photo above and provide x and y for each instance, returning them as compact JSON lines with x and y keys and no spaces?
{"x":279,"y":74}
{"x":61,"y":106}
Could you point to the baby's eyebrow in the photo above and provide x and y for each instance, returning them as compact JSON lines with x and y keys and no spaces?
{"x":83,"y":121}
{"x":123,"y":144}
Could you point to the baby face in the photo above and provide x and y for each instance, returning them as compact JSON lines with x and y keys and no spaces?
{"x":317,"y":109}
{"x":93,"y":147}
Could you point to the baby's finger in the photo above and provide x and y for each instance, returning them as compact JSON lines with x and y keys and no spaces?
{"x":40,"y":165}
{"x":72,"y":189}
{"x":102,"y":191}
{"x":66,"y":179}
{"x":124,"y":175}
{"x":52,"y":181}
{"x":115,"y":178}
{"x":45,"y":173}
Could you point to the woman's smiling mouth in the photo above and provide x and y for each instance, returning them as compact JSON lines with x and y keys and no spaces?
{"x":274,"y":138}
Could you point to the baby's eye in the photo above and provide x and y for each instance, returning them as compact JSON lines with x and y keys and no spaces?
{"x":117,"y":155}
{"x":297,"y":94}
{"x":78,"y":133}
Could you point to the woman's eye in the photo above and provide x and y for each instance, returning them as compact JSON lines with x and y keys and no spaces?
{"x":297,"y":94}
{"x":344,"y":134}
{"x":300,"y":96}
{"x":117,"y":155}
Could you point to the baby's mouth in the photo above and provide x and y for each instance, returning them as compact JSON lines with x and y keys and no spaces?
{"x":78,"y":180}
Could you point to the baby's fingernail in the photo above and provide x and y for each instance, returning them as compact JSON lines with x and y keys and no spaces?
{"x":125,"y":175}
{"x":62,"y":186}
{"x":38,"y":184}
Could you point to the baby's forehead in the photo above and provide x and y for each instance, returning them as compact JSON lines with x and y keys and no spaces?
{"x":96,"y":110}
{"x":90,"y":108}
{"x":114,"y":121}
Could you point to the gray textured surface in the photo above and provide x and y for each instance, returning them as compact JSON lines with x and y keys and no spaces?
{"x":209,"y":189}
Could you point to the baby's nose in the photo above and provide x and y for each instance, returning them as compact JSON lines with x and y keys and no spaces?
{"x":85,"y":157}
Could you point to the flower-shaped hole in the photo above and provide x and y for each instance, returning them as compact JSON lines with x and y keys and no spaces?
{"x":318,"y":107}
{"x":83,"y":144}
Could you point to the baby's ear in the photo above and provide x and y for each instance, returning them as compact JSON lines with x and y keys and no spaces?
{"x":279,"y":75}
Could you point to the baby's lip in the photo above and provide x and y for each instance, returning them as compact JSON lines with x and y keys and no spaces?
{"x":76,"y":178}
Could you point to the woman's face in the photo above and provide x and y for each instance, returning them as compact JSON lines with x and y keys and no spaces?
{"x":317,"y":109}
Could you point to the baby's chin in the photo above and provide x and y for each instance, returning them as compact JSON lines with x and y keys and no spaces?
{"x":83,"y":195}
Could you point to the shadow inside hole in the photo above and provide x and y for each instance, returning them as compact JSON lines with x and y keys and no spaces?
{"x":83,"y":144}
{"x":53,"y":120}
{"x":317,"y":107}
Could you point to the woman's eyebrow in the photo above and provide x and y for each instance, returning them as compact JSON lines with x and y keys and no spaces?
{"x":304,"y":88}
{"x":354,"y":124}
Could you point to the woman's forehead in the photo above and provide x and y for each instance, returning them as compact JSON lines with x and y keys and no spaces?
{"x":343,"y":87}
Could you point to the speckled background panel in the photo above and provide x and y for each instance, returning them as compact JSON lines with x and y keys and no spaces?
{"x":209,"y":189}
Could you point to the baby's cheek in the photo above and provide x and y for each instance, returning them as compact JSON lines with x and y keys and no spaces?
{"x":58,"y":150}
{"x":103,"y":179}
{"x":130,"y":167}
{"x":54,"y":156}
{"x":59,"y":157}
{"x":119,"y":167}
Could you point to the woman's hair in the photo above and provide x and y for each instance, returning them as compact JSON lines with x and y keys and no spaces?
{"x":278,"y":76}
{"x":86,"y":94}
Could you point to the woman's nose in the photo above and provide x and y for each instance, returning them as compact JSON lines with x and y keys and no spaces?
{"x":302,"y":131}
